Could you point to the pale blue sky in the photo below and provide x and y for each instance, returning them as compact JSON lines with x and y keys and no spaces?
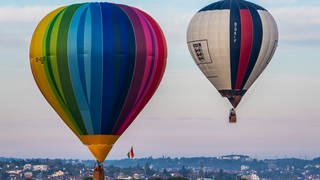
{"x":280,"y":115}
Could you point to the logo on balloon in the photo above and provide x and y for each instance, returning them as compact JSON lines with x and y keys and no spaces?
{"x":200,"y":51}
{"x":235,"y":32}
{"x":39,"y":60}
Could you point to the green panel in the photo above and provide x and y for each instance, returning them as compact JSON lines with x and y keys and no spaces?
{"x":49,"y":54}
{"x":53,"y":52}
{"x":49,"y":73}
{"x":63,"y":67}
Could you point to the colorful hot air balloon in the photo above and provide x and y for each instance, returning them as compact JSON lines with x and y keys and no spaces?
{"x":98,"y":65}
{"x":232,"y":42}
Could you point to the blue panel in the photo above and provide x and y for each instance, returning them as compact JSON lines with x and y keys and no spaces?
{"x":254,"y":6}
{"x":257,"y":41}
{"x":81,"y":49}
{"x":96,"y":67}
{"x":118,"y":63}
{"x":227,"y":4}
{"x":108,"y":64}
{"x":235,"y":41}
{"x":215,"y":6}
{"x":222,"y":5}
{"x":86,"y":69}
{"x":75,"y":57}
{"x":242,"y":5}
{"x":127,"y":56}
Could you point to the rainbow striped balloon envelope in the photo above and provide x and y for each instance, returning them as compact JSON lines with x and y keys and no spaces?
{"x":98,"y":65}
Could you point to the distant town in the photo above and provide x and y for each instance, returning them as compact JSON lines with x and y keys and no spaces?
{"x":227,"y":167}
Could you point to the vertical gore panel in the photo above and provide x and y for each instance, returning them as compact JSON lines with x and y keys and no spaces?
{"x":235,"y":40}
{"x":123,"y":56}
{"x":81,"y":51}
{"x":139,"y":65}
{"x":161,"y":53}
{"x":152,"y":58}
{"x":53,"y":53}
{"x":49,"y":56}
{"x":96,"y":67}
{"x":109,"y":69}
{"x":87,"y":51}
{"x":149,"y":55}
{"x":246,"y":45}
{"x":76,"y":57}
{"x":62,"y":60}
{"x":38,"y":51}
{"x":256,"y":44}
{"x":269,"y":27}
{"x":127,"y":55}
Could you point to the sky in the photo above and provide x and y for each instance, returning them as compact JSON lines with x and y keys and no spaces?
{"x":279,"y":116}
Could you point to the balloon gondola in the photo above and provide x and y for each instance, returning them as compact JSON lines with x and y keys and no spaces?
{"x":232,"y":42}
{"x":98,"y":65}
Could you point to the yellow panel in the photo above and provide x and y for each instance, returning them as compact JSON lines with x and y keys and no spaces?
{"x":100,"y":151}
{"x":99,"y":145}
{"x":98,"y":139}
{"x":37,"y":66}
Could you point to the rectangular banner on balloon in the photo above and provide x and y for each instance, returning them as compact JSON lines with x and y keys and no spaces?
{"x":200,"y":51}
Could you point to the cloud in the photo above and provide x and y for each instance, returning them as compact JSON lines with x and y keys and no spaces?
{"x":298,"y":25}
{"x":286,"y":3}
{"x":10,"y":14}
{"x":17,"y":25}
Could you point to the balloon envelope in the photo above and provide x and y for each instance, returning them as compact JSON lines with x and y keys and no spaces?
{"x":232,"y":42}
{"x":98,"y":64}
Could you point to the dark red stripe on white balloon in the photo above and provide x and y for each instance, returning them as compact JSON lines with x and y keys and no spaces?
{"x":246,"y":44}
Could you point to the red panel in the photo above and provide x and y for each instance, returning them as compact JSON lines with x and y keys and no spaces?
{"x":246,"y":45}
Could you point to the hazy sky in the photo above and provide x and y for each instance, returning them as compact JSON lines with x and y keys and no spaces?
{"x":278,"y":117}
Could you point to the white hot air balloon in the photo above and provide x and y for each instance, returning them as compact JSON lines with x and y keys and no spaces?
{"x":232,"y":42}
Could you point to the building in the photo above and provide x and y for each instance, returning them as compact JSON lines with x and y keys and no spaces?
{"x":138,"y":176}
{"x":28,"y":175}
{"x":244,"y":168}
{"x":27,"y":167}
{"x":40,"y":167}
{"x":124,"y":177}
{"x":250,"y":177}
{"x":57,"y":174}
{"x":235,"y":157}
{"x":15,"y":174}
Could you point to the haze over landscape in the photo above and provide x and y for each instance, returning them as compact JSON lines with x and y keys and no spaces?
{"x":278,"y":117}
